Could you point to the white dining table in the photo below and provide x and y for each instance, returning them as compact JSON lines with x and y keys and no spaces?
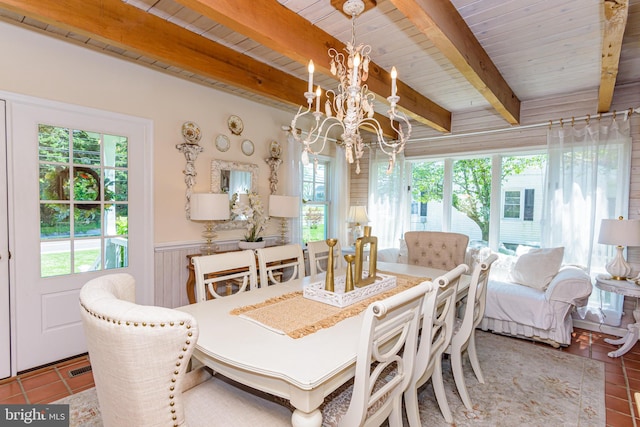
{"x":303,"y":370}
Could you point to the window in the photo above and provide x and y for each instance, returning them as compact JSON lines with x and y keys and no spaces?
{"x":426,"y":195}
{"x":83,"y":200}
{"x":315,"y":200}
{"x":469,"y":181}
{"x":512,"y":204}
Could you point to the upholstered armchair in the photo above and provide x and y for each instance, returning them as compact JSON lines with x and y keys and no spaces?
{"x":436,"y":249}
{"x":533,"y":296}
{"x":140,"y":357}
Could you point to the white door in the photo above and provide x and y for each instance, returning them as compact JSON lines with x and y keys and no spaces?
{"x":81,"y":202}
{"x":5,"y":328}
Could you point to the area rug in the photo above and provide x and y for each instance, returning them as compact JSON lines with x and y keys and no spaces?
{"x":84,"y":410}
{"x":525,"y":385}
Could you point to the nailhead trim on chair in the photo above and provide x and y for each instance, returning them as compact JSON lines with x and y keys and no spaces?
{"x":180,"y":356}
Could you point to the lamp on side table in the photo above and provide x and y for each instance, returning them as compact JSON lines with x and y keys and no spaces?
{"x":284,"y":207}
{"x":619,"y":232}
{"x":209,"y":207}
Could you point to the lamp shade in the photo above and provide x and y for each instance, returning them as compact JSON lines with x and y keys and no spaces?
{"x":284,"y":206}
{"x":358,"y":214}
{"x":620,"y":232}
{"x":209,"y":206}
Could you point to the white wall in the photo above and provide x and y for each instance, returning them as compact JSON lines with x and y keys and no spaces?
{"x":46,"y":67}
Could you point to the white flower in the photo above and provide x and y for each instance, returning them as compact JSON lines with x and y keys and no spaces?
{"x":254,"y":213}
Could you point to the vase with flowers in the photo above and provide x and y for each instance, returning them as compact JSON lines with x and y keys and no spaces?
{"x":253,"y":212}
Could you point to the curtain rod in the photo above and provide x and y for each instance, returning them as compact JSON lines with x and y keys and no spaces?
{"x":560,"y":121}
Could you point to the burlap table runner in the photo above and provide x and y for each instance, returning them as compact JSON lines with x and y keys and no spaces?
{"x":296,"y":316}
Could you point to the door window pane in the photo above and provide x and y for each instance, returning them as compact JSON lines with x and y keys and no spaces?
{"x":53,"y":144}
{"x":55,"y":258}
{"x":54,"y":221}
{"x":86,"y":147}
{"x":86,"y":255}
{"x":96,"y":165}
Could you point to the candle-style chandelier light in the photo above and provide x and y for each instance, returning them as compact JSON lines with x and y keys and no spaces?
{"x":350,"y":105}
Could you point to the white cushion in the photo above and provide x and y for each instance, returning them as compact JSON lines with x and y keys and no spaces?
{"x":537,"y":267}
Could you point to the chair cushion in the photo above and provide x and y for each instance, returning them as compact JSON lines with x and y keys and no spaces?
{"x":217,"y":402}
{"x":537,"y":267}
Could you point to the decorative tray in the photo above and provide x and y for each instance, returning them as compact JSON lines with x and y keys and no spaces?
{"x":315,"y":291}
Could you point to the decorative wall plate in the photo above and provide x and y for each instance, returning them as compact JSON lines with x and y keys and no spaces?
{"x":247,"y":147}
{"x":275,"y":150}
{"x":191,"y":132}
{"x":222,"y":142}
{"x":235,"y":125}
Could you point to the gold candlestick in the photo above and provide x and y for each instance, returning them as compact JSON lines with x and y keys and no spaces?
{"x":348,"y":284}
{"x":329,"y":280}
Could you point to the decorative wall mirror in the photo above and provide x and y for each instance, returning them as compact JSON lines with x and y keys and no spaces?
{"x":233,"y":177}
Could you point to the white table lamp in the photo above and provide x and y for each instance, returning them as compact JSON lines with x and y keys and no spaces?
{"x":357,"y":216}
{"x":284,"y":207}
{"x":619,"y":232}
{"x":209,"y":207}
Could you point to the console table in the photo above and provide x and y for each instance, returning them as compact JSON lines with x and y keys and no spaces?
{"x":622,"y":287}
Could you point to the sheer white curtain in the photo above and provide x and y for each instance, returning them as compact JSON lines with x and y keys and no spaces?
{"x":293,"y":187}
{"x":387,"y":199}
{"x":587,"y":179}
{"x":338,"y":209}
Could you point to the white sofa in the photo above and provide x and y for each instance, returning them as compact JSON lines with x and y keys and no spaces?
{"x":539,"y":314}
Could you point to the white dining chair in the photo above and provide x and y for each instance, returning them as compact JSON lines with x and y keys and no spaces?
{"x":463,"y":338}
{"x":435,"y":336}
{"x":318,"y":252}
{"x":384,"y":362}
{"x":280,"y":264}
{"x":229,"y":269}
{"x":140,"y":357}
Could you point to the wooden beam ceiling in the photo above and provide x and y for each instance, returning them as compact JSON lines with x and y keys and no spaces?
{"x":127,"y":27}
{"x":301,"y":41}
{"x":442,"y":24}
{"x":615,"y":14}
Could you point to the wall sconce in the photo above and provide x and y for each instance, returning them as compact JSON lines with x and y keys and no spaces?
{"x":284,"y":207}
{"x":209,"y":207}
{"x":619,"y":232}
{"x":191,"y":134}
{"x":357,"y":216}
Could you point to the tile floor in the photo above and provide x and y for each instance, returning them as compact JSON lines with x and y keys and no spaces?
{"x":622,"y":379}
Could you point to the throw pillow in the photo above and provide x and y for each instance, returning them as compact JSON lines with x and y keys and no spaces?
{"x":537,"y":267}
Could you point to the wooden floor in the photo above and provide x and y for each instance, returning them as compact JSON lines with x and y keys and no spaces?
{"x":622,"y":378}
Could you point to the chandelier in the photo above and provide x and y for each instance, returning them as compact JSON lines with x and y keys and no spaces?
{"x":350,"y":105}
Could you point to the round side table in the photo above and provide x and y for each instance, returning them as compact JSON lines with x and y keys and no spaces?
{"x":622,"y":287}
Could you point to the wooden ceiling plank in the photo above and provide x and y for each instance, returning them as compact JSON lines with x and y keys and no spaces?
{"x":298,"y":39}
{"x":442,"y":24}
{"x":122,"y":26}
{"x":615,"y":13}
